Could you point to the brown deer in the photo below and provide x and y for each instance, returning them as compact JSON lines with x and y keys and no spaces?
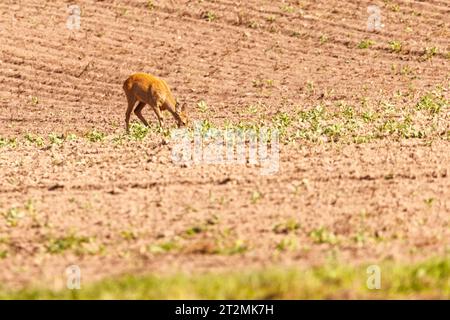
{"x":148,"y":89}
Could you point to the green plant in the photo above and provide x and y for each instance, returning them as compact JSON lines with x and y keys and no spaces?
{"x":288,"y":244}
{"x":163,"y":247}
{"x":12,"y":216}
{"x":139,"y":131}
{"x":202,"y":106}
{"x":432,"y":102}
{"x":95,"y":136}
{"x":323,"y":39}
{"x":57,"y":139}
{"x":395,"y":46}
{"x":367,"y":43}
{"x":429,"y":53}
{"x":128,"y":235}
{"x":37,"y":140}
{"x":286,"y":227}
{"x":64,"y":243}
{"x":255,"y":197}
{"x":323,"y":235}
{"x":34,"y":100}
{"x":194,"y":230}
{"x":287,"y":8}
{"x":209,"y":16}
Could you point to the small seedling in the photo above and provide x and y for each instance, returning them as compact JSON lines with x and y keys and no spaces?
{"x":429,"y":53}
{"x":34,"y":101}
{"x":202,"y":106}
{"x":286,"y":227}
{"x":365,"y":44}
{"x":209,"y":16}
{"x":95,"y":136}
{"x":57,"y":139}
{"x":323,"y":39}
{"x":256,"y":196}
{"x":322,"y":235}
{"x":395,"y":46}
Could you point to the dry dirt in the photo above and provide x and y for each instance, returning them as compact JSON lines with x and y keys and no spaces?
{"x":117,"y":208}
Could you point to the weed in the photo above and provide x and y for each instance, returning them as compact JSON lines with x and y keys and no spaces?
{"x":323,"y":235}
{"x":71,"y":242}
{"x":432,"y":102}
{"x":323,"y":39}
{"x":34,"y":101}
{"x":37,"y":140}
{"x":95,"y":136}
{"x":139,"y":131}
{"x":286,"y":227}
{"x":128,"y":235}
{"x":56,"y":139}
{"x":429,"y":53}
{"x":209,"y":16}
{"x":365,"y":44}
{"x":202,"y":106}
{"x":395,"y":46}
{"x":163,"y":247}
{"x":255,"y":197}
{"x":194,"y":230}
{"x":288,"y":244}
{"x":13,"y":216}
{"x":287,"y":8}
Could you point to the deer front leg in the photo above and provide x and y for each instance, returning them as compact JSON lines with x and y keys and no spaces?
{"x":131,"y":103}
{"x":158,"y":112}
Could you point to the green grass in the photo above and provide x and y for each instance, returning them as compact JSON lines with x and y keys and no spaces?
{"x":428,"y":279}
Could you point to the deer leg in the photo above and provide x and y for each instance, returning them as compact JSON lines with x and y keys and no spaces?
{"x":131,"y":102}
{"x":138,"y":112}
{"x":158,"y":112}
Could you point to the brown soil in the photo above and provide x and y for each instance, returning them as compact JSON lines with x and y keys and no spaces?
{"x":130,"y":199}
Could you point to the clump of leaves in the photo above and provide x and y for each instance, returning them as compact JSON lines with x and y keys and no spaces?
{"x":323,"y":39}
{"x":139,"y":131}
{"x":64,"y":243}
{"x":208,"y":16}
{"x":12,"y":216}
{"x":237,"y":247}
{"x":194,"y":230}
{"x":37,"y":140}
{"x":57,"y":139}
{"x":163,"y":247}
{"x":429,"y":53}
{"x":202,"y":106}
{"x":287,"y":8}
{"x":288,"y":244}
{"x":150,"y":5}
{"x":432,"y":102}
{"x":256,"y":196}
{"x":34,"y":101}
{"x":286,"y":227}
{"x":323,"y":235}
{"x":128,"y":235}
{"x":95,"y":136}
{"x":395,"y":46}
{"x":11,"y":142}
{"x":365,"y":44}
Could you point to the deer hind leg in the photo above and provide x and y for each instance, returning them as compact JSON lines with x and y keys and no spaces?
{"x":131,"y":101}
{"x":138,"y":112}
